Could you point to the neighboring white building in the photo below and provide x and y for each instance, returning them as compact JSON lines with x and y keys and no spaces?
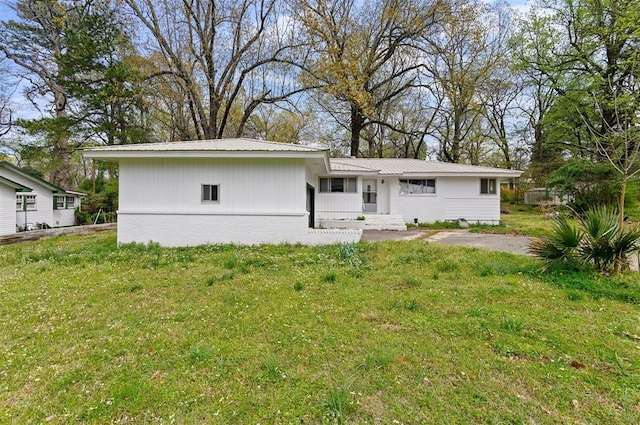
{"x":249,"y":192}
{"x":29,"y":202}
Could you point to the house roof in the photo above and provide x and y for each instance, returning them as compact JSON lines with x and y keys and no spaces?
{"x":213,"y":145}
{"x":37,"y":180}
{"x":17,"y":186}
{"x":416,"y":167}
{"x":242,"y":147}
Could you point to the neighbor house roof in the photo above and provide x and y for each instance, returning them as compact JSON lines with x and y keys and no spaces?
{"x":416,"y":167}
{"x":30,"y":177}
{"x":17,"y":186}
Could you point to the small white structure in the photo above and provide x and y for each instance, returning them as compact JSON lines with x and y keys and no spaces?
{"x":249,"y":192}
{"x":28,"y":202}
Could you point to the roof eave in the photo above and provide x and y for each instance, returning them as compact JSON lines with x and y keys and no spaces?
{"x":118,"y":155}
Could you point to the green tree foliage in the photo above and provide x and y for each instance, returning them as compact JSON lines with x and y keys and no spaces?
{"x":585,"y":183}
{"x":74,"y":55}
{"x":99,"y":71}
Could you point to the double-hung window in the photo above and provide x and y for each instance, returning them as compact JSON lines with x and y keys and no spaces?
{"x":58,"y":202}
{"x":210,"y":193}
{"x":338,"y":185}
{"x":488,"y":186}
{"x":417,"y":186}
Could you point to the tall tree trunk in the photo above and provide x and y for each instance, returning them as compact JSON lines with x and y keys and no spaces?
{"x":60,"y":155}
{"x":357,"y":122}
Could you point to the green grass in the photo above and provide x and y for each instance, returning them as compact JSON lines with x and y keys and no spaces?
{"x":366,"y":333}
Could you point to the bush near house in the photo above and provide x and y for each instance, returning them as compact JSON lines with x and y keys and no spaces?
{"x":392,"y":332}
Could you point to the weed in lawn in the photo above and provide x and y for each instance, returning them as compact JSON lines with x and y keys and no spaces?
{"x":574,"y":296}
{"x":337,"y":404}
{"x":376,"y":360}
{"x":227,"y":276}
{"x":298,"y":286}
{"x":330,"y":277}
{"x":231,"y":262}
{"x":135,"y":288}
{"x":447,"y":266}
{"x":411,"y":282}
{"x":199,"y":353}
{"x":271,"y":369}
{"x":478,"y":311}
{"x":210,"y":281}
{"x":511,"y":324}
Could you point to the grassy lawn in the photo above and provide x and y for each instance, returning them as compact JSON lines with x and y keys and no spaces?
{"x":391,"y":332}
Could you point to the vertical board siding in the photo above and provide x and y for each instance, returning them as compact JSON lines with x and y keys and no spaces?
{"x":7,"y":210}
{"x":246,"y":185}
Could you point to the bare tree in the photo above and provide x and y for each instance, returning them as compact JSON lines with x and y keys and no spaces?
{"x":461,"y":56}
{"x":364,"y":56}
{"x":619,"y":141}
{"x":225,"y":56}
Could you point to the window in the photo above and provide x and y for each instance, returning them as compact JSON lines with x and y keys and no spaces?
{"x":28,"y":201}
{"x":58,"y":202}
{"x":71,"y":202}
{"x":338,"y":184}
{"x":210,"y":193}
{"x":488,"y":186}
{"x":417,"y":187}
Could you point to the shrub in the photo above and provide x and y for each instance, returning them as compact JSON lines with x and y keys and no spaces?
{"x":596,"y":240}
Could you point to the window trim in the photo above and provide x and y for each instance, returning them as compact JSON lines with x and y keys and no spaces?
{"x":345,"y":184}
{"x":489,"y":192}
{"x":57,"y":205}
{"x":30,"y":206}
{"x":210,"y":186}
{"x":426,"y":184}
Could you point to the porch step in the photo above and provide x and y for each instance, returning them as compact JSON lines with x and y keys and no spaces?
{"x":384,"y":222}
{"x":370,"y":222}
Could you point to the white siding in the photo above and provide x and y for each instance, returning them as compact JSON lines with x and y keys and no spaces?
{"x":44,"y":201}
{"x":261,"y":200}
{"x":7,"y":210}
{"x":455,"y":197}
{"x":246,"y":185}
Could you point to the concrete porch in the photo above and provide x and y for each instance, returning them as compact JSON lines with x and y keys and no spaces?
{"x":370,"y":222}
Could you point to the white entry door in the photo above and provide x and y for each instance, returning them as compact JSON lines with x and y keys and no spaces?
{"x":369,"y":196}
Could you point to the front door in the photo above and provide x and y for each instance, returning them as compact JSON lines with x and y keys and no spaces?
{"x":369,"y":196}
{"x":311,"y":205}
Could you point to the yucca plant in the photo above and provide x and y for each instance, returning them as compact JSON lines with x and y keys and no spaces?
{"x":595,"y":239}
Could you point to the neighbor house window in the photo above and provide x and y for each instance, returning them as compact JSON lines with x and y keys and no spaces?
{"x":58,"y":202}
{"x":210,"y":193}
{"x":71,"y":202}
{"x":420,"y":186}
{"x":338,"y":184}
{"x":28,"y":201}
{"x":488,"y":186}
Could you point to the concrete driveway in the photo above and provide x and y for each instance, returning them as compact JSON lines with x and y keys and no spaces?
{"x":505,"y":243}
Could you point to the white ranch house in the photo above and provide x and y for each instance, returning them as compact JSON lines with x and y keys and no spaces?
{"x":250,"y":192}
{"x":29,"y":202}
